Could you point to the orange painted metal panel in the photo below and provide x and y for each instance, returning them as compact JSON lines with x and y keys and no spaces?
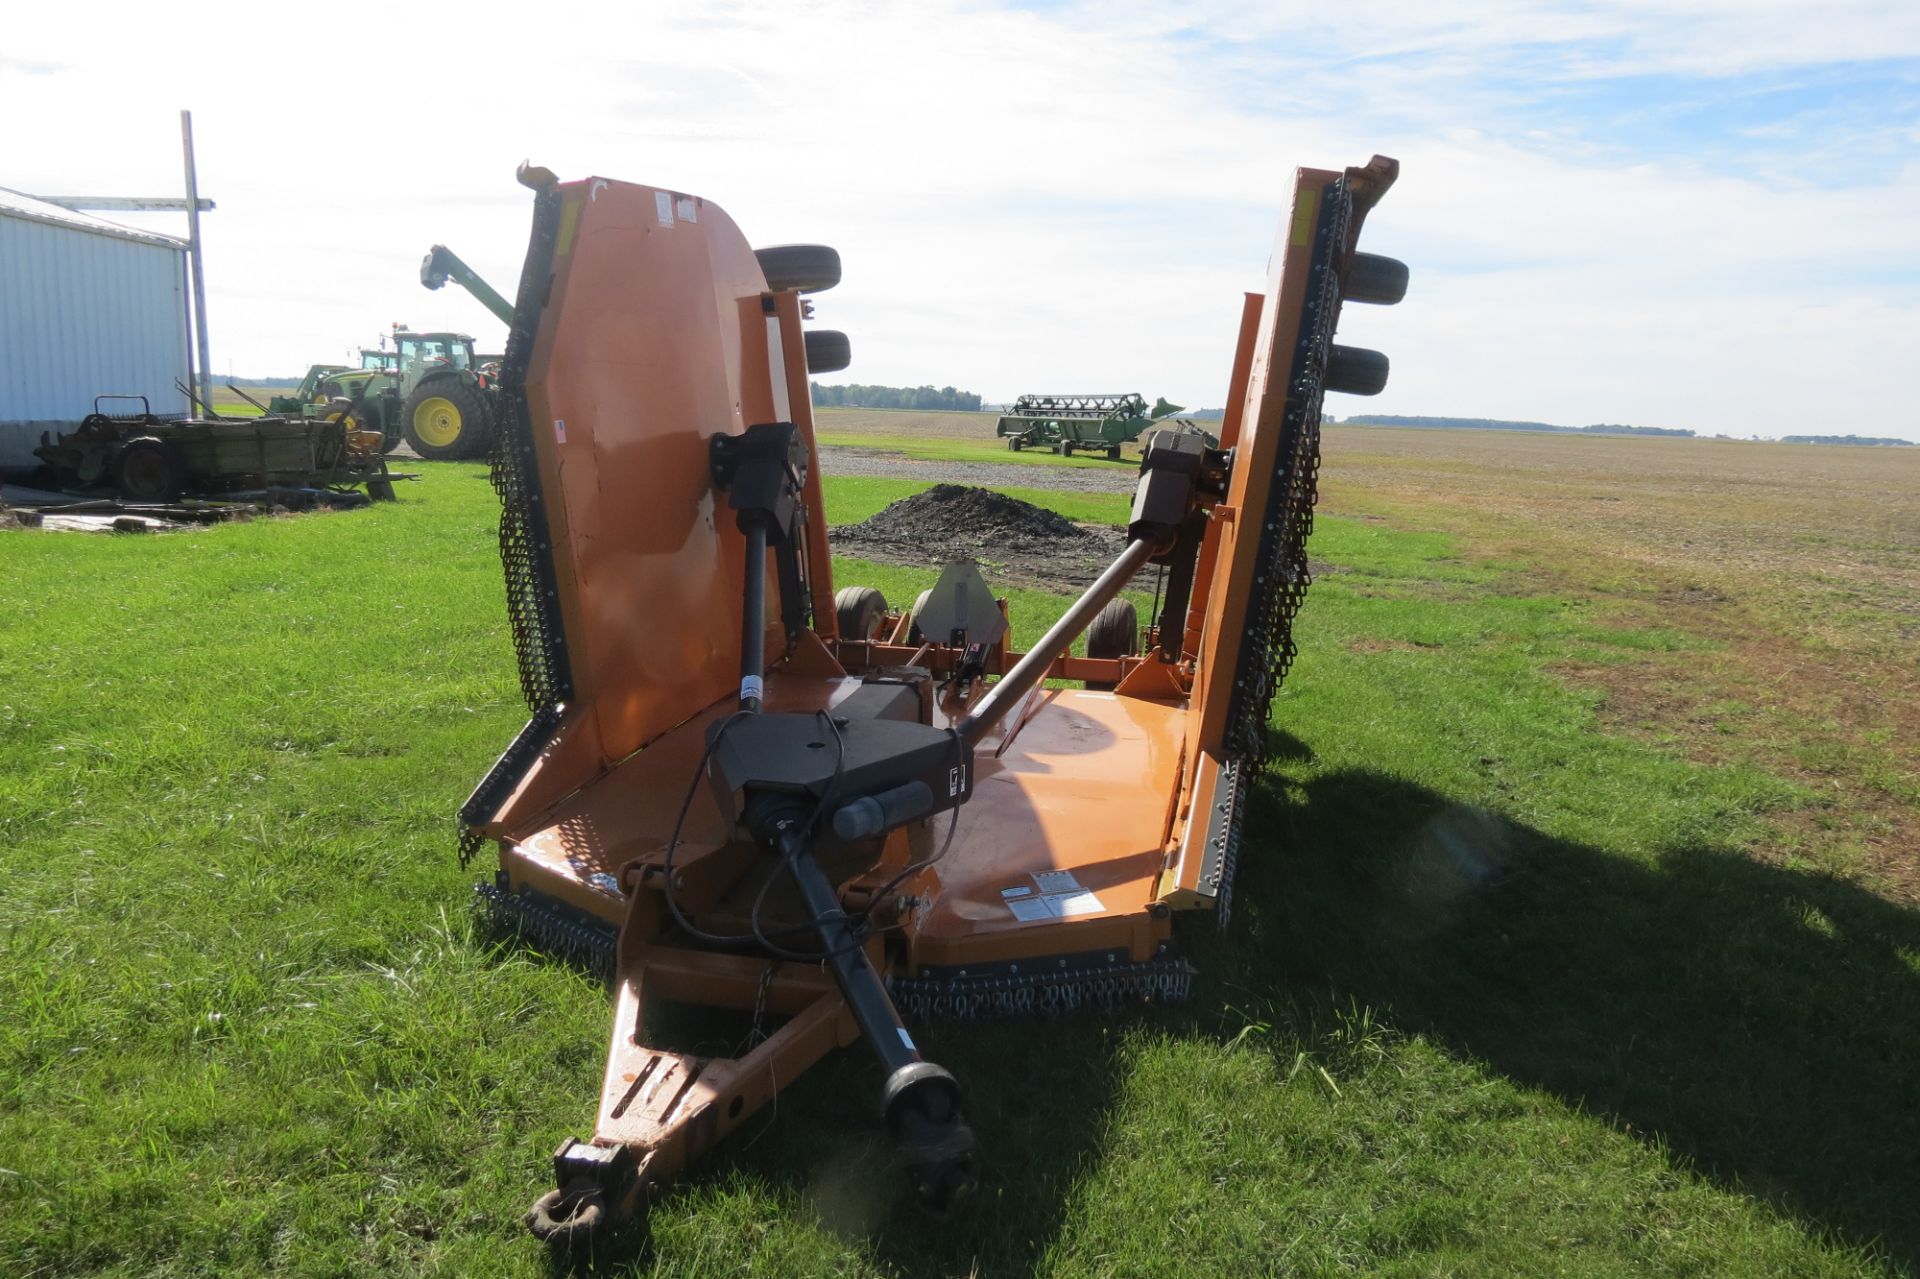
{"x":638,"y":364}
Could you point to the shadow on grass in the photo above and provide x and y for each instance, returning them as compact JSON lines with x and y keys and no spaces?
{"x":1758,"y":1021}
{"x":1038,"y":1110}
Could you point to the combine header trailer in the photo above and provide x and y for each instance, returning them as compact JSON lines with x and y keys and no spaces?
{"x":1064,"y":423}
{"x":741,"y":790}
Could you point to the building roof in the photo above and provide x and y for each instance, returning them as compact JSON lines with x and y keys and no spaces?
{"x":18,"y":204}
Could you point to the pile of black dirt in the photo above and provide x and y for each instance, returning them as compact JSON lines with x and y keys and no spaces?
{"x":1029,"y":544}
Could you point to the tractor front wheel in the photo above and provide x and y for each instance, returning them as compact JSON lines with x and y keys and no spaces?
{"x":446,"y":420}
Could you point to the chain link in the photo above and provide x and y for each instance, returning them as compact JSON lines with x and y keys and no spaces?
{"x":1281,"y":573}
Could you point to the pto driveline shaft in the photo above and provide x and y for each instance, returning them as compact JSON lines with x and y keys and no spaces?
{"x":1032,"y":668}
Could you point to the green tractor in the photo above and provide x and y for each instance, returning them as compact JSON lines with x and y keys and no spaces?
{"x":370,"y":400}
{"x":446,"y":394}
{"x":430,"y":390}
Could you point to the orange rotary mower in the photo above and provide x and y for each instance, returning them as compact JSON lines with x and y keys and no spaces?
{"x":743,"y":790}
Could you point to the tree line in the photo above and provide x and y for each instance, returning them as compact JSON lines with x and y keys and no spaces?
{"x":1876,"y":441}
{"x":1494,"y":424}
{"x":895,"y":397}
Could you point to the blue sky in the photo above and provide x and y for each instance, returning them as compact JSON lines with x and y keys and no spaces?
{"x":1699,"y":213}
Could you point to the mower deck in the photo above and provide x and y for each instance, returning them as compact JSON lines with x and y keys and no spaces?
{"x":1070,"y":846}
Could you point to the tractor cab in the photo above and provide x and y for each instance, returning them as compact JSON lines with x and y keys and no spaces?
{"x":424,"y":354}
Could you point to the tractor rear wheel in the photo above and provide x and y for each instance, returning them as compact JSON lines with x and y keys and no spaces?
{"x":1115,"y":633}
{"x":447,"y":419}
{"x":149,"y":470}
{"x":861,"y":611}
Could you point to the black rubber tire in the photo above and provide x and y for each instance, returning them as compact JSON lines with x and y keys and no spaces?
{"x":1354,"y":370}
{"x":1115,"y":633}
{"x":475,"y":433}
{"x":1113,"y":453}
{"x":828,"y":351}
{"x":149,"y":470}
{"x":914,"y":634}
{"x":860,"y":612}
{"x":1377,"y":280}
{"x":801,"y":268}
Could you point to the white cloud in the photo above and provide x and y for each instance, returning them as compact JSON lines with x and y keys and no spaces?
{"x":1065,"y":199}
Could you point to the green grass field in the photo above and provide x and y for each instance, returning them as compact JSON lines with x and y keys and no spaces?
{"x":1508,"y":989}
{"x":948,"y":449}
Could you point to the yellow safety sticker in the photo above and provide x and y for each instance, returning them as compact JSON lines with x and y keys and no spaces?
{"x":569,"y":219}
{"x":1303,"y":212}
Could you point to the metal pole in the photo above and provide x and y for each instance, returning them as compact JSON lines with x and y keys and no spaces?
{"x":186,"y":316}
{"x":1029,"y":670}
{"x":193,"y":252}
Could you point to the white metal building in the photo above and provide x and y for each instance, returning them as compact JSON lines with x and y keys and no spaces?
{"x":87,"y":307}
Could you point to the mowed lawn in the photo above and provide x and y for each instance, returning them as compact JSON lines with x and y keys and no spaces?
{"x":1509,"y":989}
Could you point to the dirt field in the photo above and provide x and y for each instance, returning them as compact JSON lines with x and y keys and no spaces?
{"x":1796,"y":568}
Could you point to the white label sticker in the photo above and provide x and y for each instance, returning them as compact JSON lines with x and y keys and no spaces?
{"x":687,"y":211}
{"x":906,"y":1039}
{"x":751,"y":686}
{"x":1056,"y":881}
{"x":663,"y":207}
{"x":560,"y":429}
{"x":1067,"y":905}
{"x":1020,"y":891}
{"x":1054,"y":905}
{"x":956,"y":780}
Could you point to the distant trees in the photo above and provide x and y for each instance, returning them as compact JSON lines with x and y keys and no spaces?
{"x":1494,"y":424}
{"x":895,"y":397}
{"x":1878,"y":441}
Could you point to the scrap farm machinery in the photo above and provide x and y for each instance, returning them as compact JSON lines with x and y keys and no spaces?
{"x":749,"y":792}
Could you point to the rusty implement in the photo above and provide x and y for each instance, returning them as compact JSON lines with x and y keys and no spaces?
{"x":741,"y":790}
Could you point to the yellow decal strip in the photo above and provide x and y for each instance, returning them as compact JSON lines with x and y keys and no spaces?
{"x":1303,"y":214}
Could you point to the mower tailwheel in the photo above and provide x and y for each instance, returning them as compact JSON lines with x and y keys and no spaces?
{"x":446,"y":420}
{"x":802,"y":268}
{"x":1115,"y":633}
{"x":914,"y":633}
{"x":861,"y":612}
